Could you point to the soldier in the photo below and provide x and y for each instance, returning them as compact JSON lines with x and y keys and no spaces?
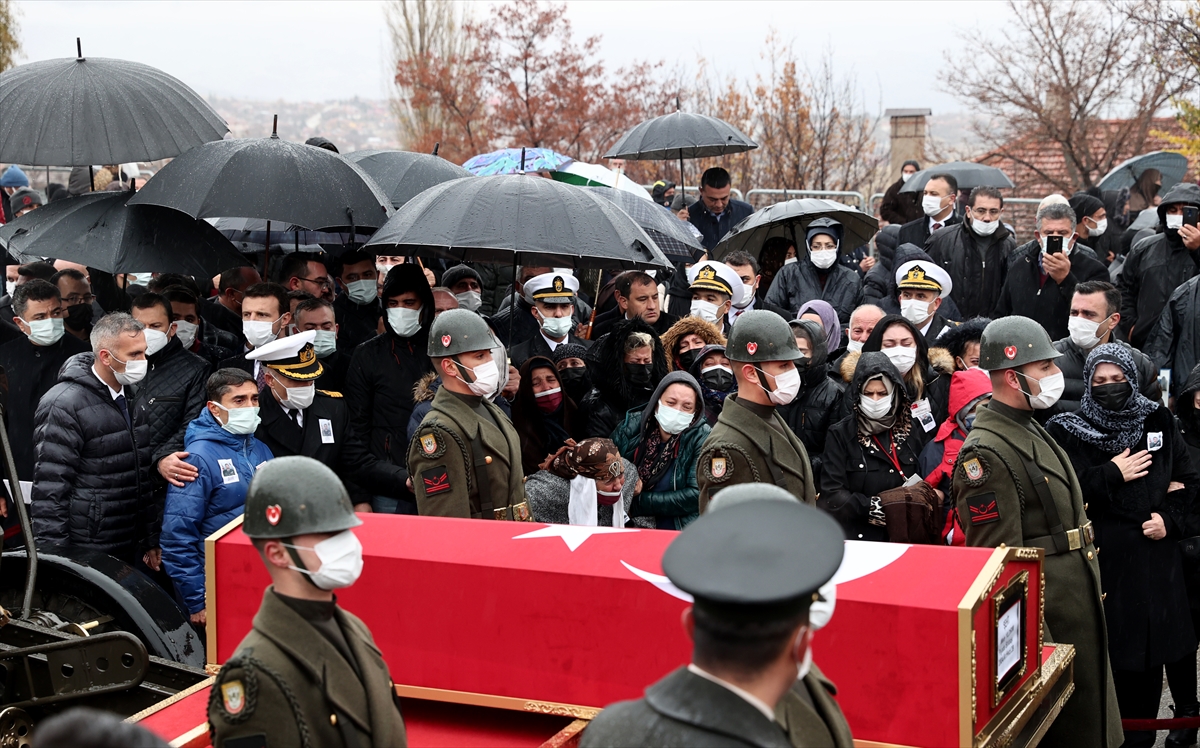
{"x":299,"y":419}
{"x":750,"y":442}
{"x":1015,"y":486}
{"x":308,"y":673}
{"x":465,"y":458}
{"x":753,"y":570}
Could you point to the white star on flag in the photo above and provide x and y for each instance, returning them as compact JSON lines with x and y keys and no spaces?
{"x":572,"y":535}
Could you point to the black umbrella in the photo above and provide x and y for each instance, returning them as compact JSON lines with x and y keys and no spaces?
{"x":403,"y":175}
{"x":250,"y":235}
{"x":78,"y":112}
{"x":968,"y":174}
{"x":790,"y":219}
{"x":674,"y":237}
{"x":101,"y":230}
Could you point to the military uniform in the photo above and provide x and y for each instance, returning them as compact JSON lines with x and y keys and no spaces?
{"x":811,"y":716}
{"x":1014,"y":485}
{"x":465,"y":457}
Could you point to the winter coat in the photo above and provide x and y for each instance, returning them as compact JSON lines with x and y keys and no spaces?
{"x":879,"y":285}
{"x":31,"y":371}
{"x":1175,"y":341}
{"x":900,"y":207}
{"x":357,"y":323}
{"x":800,"y":282}
{"x":226,"y":463}
{"x":937,"y":459}
{"x":1145,"y":604}
{"x":713,"y":228}
{"x":514,"y":323}
{"x":91,"y":480}
{"x":497,"y":282}
{"x":708,"y":332}
{"x":852,"y":473}
{"x":605,"y":362}
{"x":977,"y":265}
{"x":917,"y":232}
{"x":816,"y":406}
{"x":605,"y":321}
{"x":171,"y":396}
{"x":1046,"y":302}
{"x":1153,"y":270}
{"x":1071,"y":363}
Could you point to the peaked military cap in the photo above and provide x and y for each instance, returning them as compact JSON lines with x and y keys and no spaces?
{"x":552,"y":288}
{"x":293,"y":356}
{"x":711,"y":275}
{"x":924,"y":275}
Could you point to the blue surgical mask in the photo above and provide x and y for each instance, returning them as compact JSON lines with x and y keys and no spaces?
{"x":241,"y":421}
{"x":404,"y":322}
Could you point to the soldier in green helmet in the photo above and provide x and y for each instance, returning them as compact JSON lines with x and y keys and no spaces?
{"x":465,"y":457}
{"x":308,"y":673}
{"x":1015,"y":486}
{"x":750,"y":443}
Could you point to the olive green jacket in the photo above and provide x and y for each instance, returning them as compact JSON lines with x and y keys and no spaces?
{"x":441,"y":459}
{"x":287,"y":683}
{"x":819,"y":725}
{"x":997,"y":503}
{"x":744,"y":447}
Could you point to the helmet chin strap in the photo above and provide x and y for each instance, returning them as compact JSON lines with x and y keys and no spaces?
{"x":299,"y":563}
{"x":762,"y":380}
{"x":1028,"y":395}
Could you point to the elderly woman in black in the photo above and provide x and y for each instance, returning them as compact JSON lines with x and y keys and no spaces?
{"x":1135,"y":472}
{"x":872,"y":455}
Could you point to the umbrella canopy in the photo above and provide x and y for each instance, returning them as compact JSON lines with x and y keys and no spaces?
{"x":403,"y":175}
{"x":968,"y":173}
{"x":594,"y":175}
{"x":76,"y":112}
{"x":790,"y":219}
{"x":268,"y":178}
{"x":518,"y":219}
{"x":101,"y":230}
{"x":680,"y":135}
{"x":1172,"y":166}
{"x":250,"y":235}
{"x":515,"y":161}
{"x":676,"y":238}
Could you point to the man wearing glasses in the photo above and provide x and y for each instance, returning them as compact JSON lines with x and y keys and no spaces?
{"x":304,"y":271}
{"x":77,"y":301}
{"x":975,"y":253}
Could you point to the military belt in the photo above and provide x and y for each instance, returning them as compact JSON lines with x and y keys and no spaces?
{"x":1076,"y":539}
{"x":513,"y":512}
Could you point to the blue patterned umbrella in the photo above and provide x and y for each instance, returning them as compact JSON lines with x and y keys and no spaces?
{"x":515,"y":161}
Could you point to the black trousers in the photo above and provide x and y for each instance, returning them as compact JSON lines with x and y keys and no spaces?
{"x":1140,"y":691}
{"x":1181,"y":678}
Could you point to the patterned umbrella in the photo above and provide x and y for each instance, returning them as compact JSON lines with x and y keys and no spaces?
{"x":515,"y":161}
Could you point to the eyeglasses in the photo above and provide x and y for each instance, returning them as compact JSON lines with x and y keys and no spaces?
{"x":819,"y":247}
{"x":986,"y":213}
{"x":322,"y":282}
{"x":74,"y":299}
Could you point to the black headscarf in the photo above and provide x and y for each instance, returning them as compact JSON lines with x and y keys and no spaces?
{"x":1108,"y":430}
{"x":541,"y":433}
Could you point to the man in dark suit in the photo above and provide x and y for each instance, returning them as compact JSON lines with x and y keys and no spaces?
{"x":937,"y":202}
{"x":744,"y":264}
{"x":636,"y":294}
{"x":319,"y":316}
{"x":225,"y":309}
{"x":553,"y":297}
{"x":715,"y":213}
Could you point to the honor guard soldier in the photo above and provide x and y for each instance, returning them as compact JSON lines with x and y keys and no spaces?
{"x":308,"y":673}
{"x":750,"y":443}
{"x":465,"y":458}
{"x":299,"y":419}
{"x":753,"y":570}
{"x":715,"y":288}
{"x":553,"y":297}
{"x":1015,"y":486}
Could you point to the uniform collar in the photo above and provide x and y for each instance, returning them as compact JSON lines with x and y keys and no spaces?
{"x":750,"y":698}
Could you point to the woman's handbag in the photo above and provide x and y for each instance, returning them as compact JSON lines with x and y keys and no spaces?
{"x":912,"y":514}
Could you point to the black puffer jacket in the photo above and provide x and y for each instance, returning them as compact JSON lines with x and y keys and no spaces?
{"x":977,"y":265}
{"x":384,"y":371}
{"x":1071,"y":363}
{"x":879,"y":287}
{"x":614,"y":396}
{"x":1174,"y":342}
{"x":816,"y":405}
{"x":171,"y":396}
{"x":91,"y":482}
{"x":800,"y":282}
{"x":1049,"y":302}
{"x":1154,"y":269}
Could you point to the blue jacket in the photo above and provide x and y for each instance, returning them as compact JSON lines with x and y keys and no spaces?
{"x":207,"y":504}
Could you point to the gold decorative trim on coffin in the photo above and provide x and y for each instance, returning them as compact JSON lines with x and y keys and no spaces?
{"x":497,"y":702}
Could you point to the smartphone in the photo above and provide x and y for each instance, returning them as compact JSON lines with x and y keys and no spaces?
{"x":1054,"y":245}
{"x":1191,"y":214}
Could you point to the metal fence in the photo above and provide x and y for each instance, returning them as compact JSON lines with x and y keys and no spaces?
{"x":754,"y":196}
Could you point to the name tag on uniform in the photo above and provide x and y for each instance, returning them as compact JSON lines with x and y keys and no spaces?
{"x":923,"y":414}
{"x":326,"y":430}
{"x":229,"y":473}
{"x":1154,"y":440}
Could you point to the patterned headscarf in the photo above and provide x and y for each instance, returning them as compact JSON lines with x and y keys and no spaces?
{"x":592,"y":458}
{"x":1108,"y":430}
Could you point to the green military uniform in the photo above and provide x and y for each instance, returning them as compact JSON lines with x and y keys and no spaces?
{"x":751,"y":443}
{"x":811,"y":717}
{"x":1014,"y":485}
{"x":308,"y":673}
{"x":465,"y":458}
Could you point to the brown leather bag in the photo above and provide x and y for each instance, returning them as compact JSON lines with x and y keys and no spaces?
{"x":912,"y":514}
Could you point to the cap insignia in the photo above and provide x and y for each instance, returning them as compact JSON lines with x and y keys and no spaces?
{"x":274,"y":512}
{"x":558,"y":284}
{"x":445,"y":341}
{"x":752,"y":348}
{"x":707,"y":273}
{"x":307,"y":354}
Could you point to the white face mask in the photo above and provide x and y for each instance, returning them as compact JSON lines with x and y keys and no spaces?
{"x":906,"y":176}
{"x":874,"y":409}
{"x":298,"y":398}
{"x":1175,"y":221}
{"x":789,"y":260}
{"x":470,"y":300}
{"x":902,"y":358}
{"x":487,"y":378}
{"x":1083,"y":332}
{"x":931,"y":205}
{"x":985,"y":228}
{"x":854,"y":346}
{"x":823,"y":258}
{"x":672,"y":421}
{"x":704,"y":310}
{"x":363,"y":291}
{"x":341,"y":561}
{"x":9,"y":287}
{"x":806,"y":663}
{"x":186,"y":332}
{"x":155,"y":341}
{"x":135,"y":371}
{"x":556,"y":327}
{"x":259,"y":334}
{"x":1052,"y":389}
{"x":383,"y":269}
{"x":325,"y":343}
{"x":787,"y":385}
{"x":404,"y":322}
{"x":45,"y":331}
{"x":241,"y":421}
{"x":1101,"y":227}
{"x":1068,"y":245}
{"x":916,"y":311}
{"x":748,"y":290}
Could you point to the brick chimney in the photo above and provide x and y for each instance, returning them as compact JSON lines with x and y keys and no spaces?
{"x":908,"y":137}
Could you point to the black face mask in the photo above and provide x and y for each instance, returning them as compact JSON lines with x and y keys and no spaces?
{"x":687,"y":358}
{"x":638,"y":374}
{"x":78,"y":316}
{"x":1112,"y":396}
{"x":575,"y":382}
{"x":717,"y":380}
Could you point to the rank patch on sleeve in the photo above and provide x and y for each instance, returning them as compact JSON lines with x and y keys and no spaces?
{"x":437,"y":480}
{"x":983,"y":508}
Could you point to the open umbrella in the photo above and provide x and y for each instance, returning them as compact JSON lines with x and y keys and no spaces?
{"x":516,"y":161}
{"x":678,"y":240}
{"x":82,"y":111}
{"x":594,"y":175}
{"x":101,"y":230}
{"x":790,"y":219}
{"x":1172,"y":166}
{"x":968,"y":173}
{"x":250,"y":235}
{"x":403,"y":175}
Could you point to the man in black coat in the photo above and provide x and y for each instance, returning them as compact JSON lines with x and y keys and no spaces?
{"x":746,"y":267}
{"x":1157,"y":266}
{"x":553,"y":297}
{"x":898,"y":207}
{"x":818,"y":404}
{"x":385,"y":369}
{"x":636,"y":294}
{"x":193,"y":331}
{"x":976,"y":253}
{"x":266,"y":315}
{"x":514,"y":322}
{"x":715,"y":213}
{"x":33,"y":362}
{"x":91,"y":480}
{"x":225,"y":309}
{"x":937,"y":203}
{"x":318,"y":316}
{"x":357,"y":306}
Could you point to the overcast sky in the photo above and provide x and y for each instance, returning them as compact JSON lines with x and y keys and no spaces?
{"x":314,"y":51}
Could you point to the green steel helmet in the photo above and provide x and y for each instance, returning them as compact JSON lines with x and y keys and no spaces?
{"x":759,"y":336}
{"x":297,"y":495}
{"x":458,"y":331}
{"x":1014,"y":341}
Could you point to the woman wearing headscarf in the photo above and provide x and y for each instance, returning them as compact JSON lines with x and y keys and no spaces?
{"x":625,"y":365}
{"x":822,"y":313}
{"x":715,"y":375}
{"x":543,"y":415}
{"x":663,"y":441}
{"x":871,"y":461}
{"x":583,"y":484}
{"x":1181,"y":676}
{"x":817,"y":274}
{"x":684,"y":339}
{"x":1143,"y":192}
{"x":1133,"y":466}
{"x":818,"y":403}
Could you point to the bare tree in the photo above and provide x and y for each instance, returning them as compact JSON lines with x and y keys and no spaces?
{"x":10,"y":45}
{"x":1074,"y":74}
